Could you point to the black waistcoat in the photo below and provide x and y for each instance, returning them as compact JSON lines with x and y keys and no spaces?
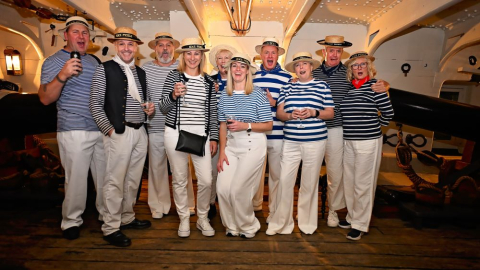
{"x":116,"y":93}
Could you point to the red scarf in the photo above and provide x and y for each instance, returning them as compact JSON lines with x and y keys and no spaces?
{"x":358,"y":83}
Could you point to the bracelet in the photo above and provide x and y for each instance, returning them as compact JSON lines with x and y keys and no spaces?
{"x":58,"y":79}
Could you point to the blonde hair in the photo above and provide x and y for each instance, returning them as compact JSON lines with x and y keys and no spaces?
{"x":248,"y":81}
{"x":372,"y":71}
{"x":181,"y":64}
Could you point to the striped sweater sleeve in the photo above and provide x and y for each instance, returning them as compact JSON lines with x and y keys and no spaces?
{"x":213,"y":114}
{"x":97,"y":100}
{"x":385,"y":107}
{"x":167,"y":102}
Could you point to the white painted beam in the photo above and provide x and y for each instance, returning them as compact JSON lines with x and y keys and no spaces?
{"x":196,"y":13}
{"x":404,"y":15}
{"x":470,"y":38}
{"x":99,"y":11}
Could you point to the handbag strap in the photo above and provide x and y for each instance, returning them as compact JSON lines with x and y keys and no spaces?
{"x":184,"y":80}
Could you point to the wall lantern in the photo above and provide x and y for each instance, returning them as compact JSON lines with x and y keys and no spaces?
{"x":241,"y":24}
{"x":13,"y":60}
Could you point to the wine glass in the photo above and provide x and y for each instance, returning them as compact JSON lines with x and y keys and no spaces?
{"x":300,"y":125}
{"x":229,"y":133}
{"x":146,"y":103}
{"x":184,"y":92}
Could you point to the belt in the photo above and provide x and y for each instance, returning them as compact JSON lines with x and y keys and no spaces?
{"x":134,"y":125}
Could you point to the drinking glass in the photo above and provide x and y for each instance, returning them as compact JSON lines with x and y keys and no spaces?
{"x":146,"y":103}
{"x":300,"y":125}
{"x":229,"y":133}
{"x":184,"y":92}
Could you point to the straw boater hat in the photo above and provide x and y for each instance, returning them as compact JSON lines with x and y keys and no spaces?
{"x":358,"y":55}
{"x":192,"y":44}
{"x":163,"y":36}
{"x":270,"y":41}
{"x":125,"y":33}
{"x":75,"y":20}
{"x":302,"y":57}
{"x":242,"y":58}
{"x":213,"y":53}
{"x":335,"y":41}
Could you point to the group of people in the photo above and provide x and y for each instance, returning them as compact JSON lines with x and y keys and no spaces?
{"x":111,"y":114}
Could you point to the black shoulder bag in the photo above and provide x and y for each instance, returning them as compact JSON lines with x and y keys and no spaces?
{"x":189,"y":142}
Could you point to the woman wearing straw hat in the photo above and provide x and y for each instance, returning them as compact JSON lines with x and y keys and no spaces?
{"x":219,"y":57}
{"x":246,"y":111}
{"x":302,"y":106}
{"x":189,"y":104}
{"x":363,"y":140}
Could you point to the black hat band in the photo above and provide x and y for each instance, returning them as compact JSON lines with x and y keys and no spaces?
{"x":240,"y":59}
{"x":76,"y":21}
{"x":193,"y":46}
{"x":167,"y":37}
{"x":270,"y":43}
{"x":302,"y":57}
{"x":358,"y":55}
{"x":345,"y":43}
{"x":126,"y":35}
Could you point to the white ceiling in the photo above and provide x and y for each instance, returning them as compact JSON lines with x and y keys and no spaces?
{"x":323,"y":11}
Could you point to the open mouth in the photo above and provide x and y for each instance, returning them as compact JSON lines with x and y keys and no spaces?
{"x":303,"y":72}
{"x":360,"y":73}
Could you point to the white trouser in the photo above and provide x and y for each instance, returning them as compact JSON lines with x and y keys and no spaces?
{"x":125,"y":154}
{"x":180,"y":171}
{"x":360,"y":172}
{"x":274,"y":151}
{"x":158,"y":189}
{"x":311,"y":154}
{"x":334,"y":164}
{"x":214,"y":178}
{"x":79,"y":151}
{"x":238,"y":181}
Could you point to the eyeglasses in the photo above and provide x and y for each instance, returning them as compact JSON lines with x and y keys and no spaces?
{"x":362,"y":65}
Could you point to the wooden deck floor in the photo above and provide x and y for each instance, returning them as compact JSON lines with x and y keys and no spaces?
{"x":31,"y":239}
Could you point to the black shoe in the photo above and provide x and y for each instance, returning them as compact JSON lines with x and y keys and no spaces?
{"x":355,"y":235}
{"x":137,"y":224}
{"x":71,"y":233}
{"x":344,"y":224}
{"x":118,"y":239}
{"x":213,"y":211}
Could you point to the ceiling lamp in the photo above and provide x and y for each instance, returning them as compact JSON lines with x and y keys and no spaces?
{"x":240,"y":24}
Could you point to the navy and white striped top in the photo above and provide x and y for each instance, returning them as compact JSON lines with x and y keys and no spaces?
{"x":273,"y":80}
{"x":72,"y":105}
{"x":253,"y":108}
{"x":360,"y":109}
{"x":133,"y":111}
{"x":314,"y":94}
{"x":156,"y":76}
{"x":194,"y":111}
{"x":336,"y":77}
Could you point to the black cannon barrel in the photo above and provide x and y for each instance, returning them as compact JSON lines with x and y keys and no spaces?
{"x":436,"y":114}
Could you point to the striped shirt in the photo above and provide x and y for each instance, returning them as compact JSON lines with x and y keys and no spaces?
{"x":72,"y":105}
{"x":193,"y":113}
{"x":253,"y":108}
{"x":314,"y":94}
{"x":168,"y":105}
{"x":273,"y":80}
{"x":133,"y":110}
{"x":156,"y":76}
{"x":336,"y":77}
{"x":360,"y":109}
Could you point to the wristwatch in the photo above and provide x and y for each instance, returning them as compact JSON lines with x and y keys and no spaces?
{"x":249,"y":127}
{"x":317,"y":113}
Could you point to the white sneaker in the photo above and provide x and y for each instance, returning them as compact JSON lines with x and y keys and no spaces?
{"x":247,"y":235}
{"x":156,"y":215}
{"x":184,"y":228}
{"x":204,"y":226}
{"x":332,"y":220}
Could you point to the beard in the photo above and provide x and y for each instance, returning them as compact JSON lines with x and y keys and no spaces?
{"x":163,"y":60}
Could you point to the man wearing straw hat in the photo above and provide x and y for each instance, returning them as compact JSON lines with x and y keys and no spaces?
{"x":271,"y":77}
{"x":335,"y":74}
{"x":67,"y":81}
{"x":157,"y":70}
{"x":116,"y":102}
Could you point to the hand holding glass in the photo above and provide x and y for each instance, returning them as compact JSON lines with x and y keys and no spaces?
{"x":300,"y":125}
{"x":229,"y":133}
